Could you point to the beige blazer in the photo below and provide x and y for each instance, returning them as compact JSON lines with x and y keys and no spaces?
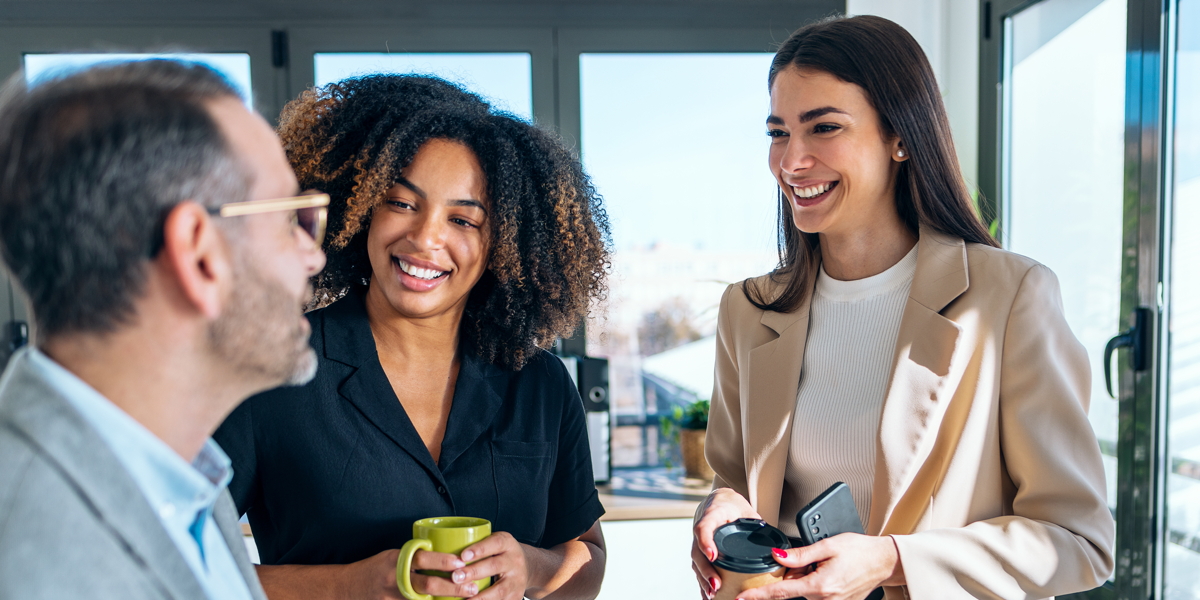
{"x":987,"y":472}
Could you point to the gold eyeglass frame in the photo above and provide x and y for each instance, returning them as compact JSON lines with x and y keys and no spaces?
{"x":312,"y":199}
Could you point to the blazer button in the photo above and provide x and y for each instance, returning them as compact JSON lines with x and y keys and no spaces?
{"x":441,"y":490}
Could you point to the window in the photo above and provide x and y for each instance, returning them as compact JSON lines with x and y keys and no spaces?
{"x":234,"y":66}
{"x":503,"y":78}
{"x":676,"y":145}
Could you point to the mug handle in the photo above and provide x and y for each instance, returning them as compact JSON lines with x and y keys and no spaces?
{"x":404,"y":568}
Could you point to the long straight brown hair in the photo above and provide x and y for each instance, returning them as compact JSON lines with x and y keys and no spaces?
{"x":885,"y":61}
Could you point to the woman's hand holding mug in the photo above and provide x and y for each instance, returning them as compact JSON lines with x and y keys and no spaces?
{"x":376,"y":577}
{"x":722,"y":506}
{"x":500,"y":555}
{"x":440,"y":587}
{"x":446,"y":546}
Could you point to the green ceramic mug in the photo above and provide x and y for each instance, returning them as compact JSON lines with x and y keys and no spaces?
{"x":450,"y":535}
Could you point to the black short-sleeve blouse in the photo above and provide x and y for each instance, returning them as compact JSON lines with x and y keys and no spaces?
{"x":334,"y":471}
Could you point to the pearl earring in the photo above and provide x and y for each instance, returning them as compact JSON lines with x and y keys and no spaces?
{"x":900,"y":154}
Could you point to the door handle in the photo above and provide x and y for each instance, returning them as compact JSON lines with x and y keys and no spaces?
{"x":1135,"y":338}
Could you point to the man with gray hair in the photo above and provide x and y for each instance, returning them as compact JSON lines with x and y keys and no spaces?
{"x":154,"y":225}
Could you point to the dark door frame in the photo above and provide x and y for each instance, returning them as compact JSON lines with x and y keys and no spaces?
{"x":1141,"y":446}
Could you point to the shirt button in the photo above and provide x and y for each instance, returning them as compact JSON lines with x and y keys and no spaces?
{"x":441,"y":490}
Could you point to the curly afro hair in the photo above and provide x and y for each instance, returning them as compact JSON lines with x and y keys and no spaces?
{"x":549,"y":236}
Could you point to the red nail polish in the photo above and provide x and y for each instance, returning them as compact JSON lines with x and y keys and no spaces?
{"x":712,"y":583}
{"x":778,"y":553}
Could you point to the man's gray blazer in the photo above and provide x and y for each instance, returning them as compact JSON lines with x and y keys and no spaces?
{"x":73,"y":523}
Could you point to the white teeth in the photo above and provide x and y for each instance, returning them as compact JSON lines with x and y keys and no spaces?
{"x":812,"y":191}
{"x":420,"y":273}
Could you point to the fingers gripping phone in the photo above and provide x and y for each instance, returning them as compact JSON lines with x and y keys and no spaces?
{"x":831,"y":513}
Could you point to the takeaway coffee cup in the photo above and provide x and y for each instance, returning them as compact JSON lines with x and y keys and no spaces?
{"x":450,"y":535}
{"x":744,"y":560}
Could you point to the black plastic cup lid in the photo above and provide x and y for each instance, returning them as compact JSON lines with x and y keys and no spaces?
{"x":744,"y":546}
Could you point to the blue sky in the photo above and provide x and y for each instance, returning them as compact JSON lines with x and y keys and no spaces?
{"x":502,"y":77}
{"x":677,"y":145}
{"x":235,"y":66}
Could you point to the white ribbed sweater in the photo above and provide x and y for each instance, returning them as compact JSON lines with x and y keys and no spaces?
{"x":847,"y":360}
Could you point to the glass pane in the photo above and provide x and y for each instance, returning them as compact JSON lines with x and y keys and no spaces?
{"x":1183,"y":381}
{"x":234,"y":66}
{"x":1064,"y":159}
{"x":676,"y":144}
{"x":504,"y":78}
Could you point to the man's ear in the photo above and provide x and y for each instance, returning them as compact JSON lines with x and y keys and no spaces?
{"x":196,"y":256}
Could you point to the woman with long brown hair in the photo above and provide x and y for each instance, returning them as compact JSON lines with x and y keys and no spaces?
{"x":897,"y":349}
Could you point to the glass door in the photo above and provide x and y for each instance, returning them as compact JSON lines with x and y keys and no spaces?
{"x":1182,"y":486}
{"x":1062,"y":205}
{"x":1069,"y":165}
{"x":1095,"y":160}
{"x":1062,"y":179}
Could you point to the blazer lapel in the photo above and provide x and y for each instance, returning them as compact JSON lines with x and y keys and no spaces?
{"x":226,"y":517}
{"x":920,"y":388}
{"x":774,"y":381}
{"x":50,"y":422}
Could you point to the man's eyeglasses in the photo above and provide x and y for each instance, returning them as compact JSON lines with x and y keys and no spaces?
{"x":309,"y":211}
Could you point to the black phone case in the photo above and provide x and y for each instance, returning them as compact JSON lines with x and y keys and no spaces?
{"x":831,"y":513}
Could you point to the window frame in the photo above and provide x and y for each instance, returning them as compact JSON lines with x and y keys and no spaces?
{"x":16,"y":42}
{"x":306,"y":42}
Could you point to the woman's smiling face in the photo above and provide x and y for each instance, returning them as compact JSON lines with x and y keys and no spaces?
{"x":829,"y":153}
{"x":428,"y":241}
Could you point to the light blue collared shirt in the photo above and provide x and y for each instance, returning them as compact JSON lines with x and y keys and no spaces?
{"x":182,"y":494}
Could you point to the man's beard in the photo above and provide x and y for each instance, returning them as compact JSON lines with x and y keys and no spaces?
{"x":261,"y":332}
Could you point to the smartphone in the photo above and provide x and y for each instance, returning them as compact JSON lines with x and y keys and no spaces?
{"x":831,"y":513}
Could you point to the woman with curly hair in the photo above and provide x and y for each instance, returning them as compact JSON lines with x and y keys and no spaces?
{"x":462,"y":242}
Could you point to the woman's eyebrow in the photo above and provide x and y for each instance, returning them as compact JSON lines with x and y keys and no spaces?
{"x":807,"y":116}
{"x":420,"y":192}
{"x":412,"y":186}
{"x":820,"y":112}
{"x":468,"y":202}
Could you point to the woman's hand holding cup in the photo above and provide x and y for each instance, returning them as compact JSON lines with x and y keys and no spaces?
{"x":722,"y":506}
{"x":433,"y":585}
{"x":444,"y":547}
{"x":499,"y":555}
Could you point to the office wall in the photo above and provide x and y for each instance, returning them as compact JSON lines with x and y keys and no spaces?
{"x":948,"y":31}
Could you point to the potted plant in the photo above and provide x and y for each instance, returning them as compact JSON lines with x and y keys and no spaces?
{"x":688,"y":427}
